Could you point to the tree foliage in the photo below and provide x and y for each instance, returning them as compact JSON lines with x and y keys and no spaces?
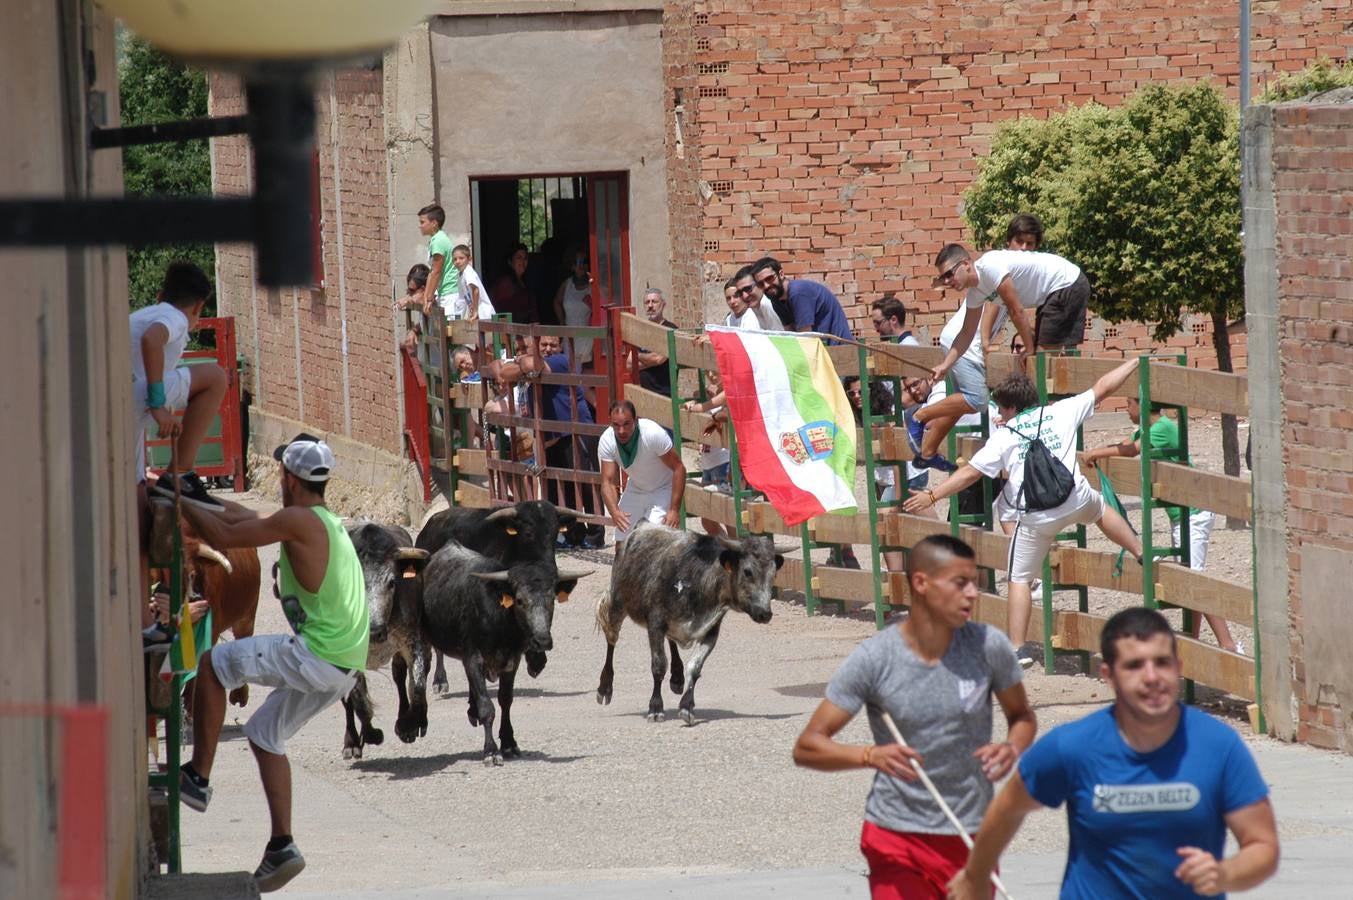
{"x":1144,"y":197}
{"x":155,"y":88}
{"x":1320,"y":76}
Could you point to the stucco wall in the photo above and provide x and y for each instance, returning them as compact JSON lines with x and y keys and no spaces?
{"x":553,"y":94}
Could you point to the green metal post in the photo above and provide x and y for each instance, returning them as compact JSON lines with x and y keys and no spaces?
{"x":810,"y":601}
{"x":1148,"y":502}
{"x":1049,"y":657}
{"x":673,"y":376}
{"x":880,"y":612}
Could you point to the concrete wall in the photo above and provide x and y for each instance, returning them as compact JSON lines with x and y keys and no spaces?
{"x":1305,"y":437}
{"x":840,"y":136}
{"x":67,"y":540}
{"x":558,"y":93}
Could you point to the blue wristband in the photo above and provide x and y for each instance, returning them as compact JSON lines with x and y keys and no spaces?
{"x":155,"y":395}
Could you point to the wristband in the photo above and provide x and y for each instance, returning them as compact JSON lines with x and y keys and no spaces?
{"x":155,"y":395}
{"x":867,"y":752}
{"x":933,"y":499}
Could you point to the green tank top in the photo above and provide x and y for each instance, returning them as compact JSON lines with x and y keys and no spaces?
{"x":334,"y":620}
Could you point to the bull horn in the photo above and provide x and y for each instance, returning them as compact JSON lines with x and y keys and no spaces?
{"x":499,"y":577}
{"x":414,"y":553}
{"x":506,"y":514}
{"x":573,"y":574}
{"x":207,"y":552}
{"x":787,"y":548}
{"x":730,"y":543}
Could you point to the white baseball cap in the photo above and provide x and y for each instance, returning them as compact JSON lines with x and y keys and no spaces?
{"x":307,"y":457}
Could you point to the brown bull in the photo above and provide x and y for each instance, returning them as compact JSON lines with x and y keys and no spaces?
{"x":229,"y":581}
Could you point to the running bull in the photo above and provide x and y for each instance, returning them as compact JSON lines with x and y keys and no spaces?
{"x":392,"y":568}
{"x":679,"y":585}
{"x":488,"y":615}
{"x":524,"y":532}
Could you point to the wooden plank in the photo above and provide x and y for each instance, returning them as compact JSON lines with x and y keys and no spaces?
{"x":651,"y":405}
{"x":471,"y":462}
{"x":1094,"y":568}
{"x":759,"y":517}
{"x":467,"y":396}
{"x":714,"y":505}
{"x":887,"y":364}
{"x":1222,"y":494}
{"x":1220,"y":392}
{"x":473,"y":496}
{"x":1204,"y":593}
{"x":834,"y":529}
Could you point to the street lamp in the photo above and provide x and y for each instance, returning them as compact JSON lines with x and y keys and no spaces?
{"x":276,"y":46}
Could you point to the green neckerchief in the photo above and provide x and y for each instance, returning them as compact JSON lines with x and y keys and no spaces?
{"x":1111,"y":499}
{"x":628,"y":449}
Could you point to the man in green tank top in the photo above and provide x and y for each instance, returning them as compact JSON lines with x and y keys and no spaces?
{"x":319,"y":579}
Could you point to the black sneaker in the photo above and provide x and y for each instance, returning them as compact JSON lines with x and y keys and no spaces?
{"x":594,"y":540}
{"x":156,"y":637}
{"x":191,"y":490}
{"x":278,"y":867}
{"x":1028,"y":654}
{"x":194,"y":796}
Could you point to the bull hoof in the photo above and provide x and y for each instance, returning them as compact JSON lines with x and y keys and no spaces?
{"x":493,"y":759}
{"x":406,"y":733}
{"x":352,"y":752}
{"x":688,"y":716}
{"x":678,"y":685}
{"x":656,"y":717}
{"x":440,"y":688}
{"x":511,"y":751}
{"x":373,"y":736}
{"x":603,"y":697}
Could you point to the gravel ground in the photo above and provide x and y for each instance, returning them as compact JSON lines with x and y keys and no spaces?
{"x":600,"y":793}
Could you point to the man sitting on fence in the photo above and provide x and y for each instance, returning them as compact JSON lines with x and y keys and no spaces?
{"x":656,"y":477}
{"x":1012,"y":447}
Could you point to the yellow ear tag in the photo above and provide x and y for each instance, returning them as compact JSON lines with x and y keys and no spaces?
{"x":561,"y":596}
{"x":511,"y":530}
{"x":507,"y":601}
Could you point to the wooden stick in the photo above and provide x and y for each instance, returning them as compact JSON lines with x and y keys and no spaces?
{"x":944,"y":807}
{"x":872,"y":348}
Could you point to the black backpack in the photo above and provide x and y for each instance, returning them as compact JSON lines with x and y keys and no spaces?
{"x":1047,"y":482}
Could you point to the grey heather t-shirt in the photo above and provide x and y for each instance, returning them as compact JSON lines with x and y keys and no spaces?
{"x":943,"y":711}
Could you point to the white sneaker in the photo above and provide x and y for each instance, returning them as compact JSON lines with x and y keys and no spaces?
{"x":1240,"y":648}
{"x":1036,"y":591}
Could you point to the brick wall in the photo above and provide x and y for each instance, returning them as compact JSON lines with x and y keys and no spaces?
{"x":1313,"y":192}
{"x":684,"y":212}
{"x":294,"y":339}
{"x":881,"y":110}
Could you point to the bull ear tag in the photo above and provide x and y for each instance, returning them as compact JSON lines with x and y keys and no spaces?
{"x":409,"y":573}
{"x":561,"y":596}
{"x":507,"y":601}
{"x":512,"y":531}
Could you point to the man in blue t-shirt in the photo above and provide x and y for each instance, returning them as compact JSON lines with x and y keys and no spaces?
{"x":1150,"y":787}
{"x":811,"y":305}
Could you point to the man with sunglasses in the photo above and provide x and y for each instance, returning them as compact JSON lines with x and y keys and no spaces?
{"x":757,"y":315}
{"x":811,"y":306}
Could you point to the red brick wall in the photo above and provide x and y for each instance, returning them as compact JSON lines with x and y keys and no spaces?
{"x":1313,"y":193}
{"x":880,"y":111}
{"x":307,"y":325}
{"x":684,"y":214}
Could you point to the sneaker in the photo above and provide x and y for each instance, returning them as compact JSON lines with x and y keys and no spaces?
{"x":278,"y":867}
{"x":915,"y":431}
{"x":1028,"y":654}
{"x":156,"y":637}
{"x":191,"y":490}
{"x":1240,"y":647}
{"x":934,"y":462}
{"x":848,"y":559}
{"x":594,"y":540}
{"x":1036,"y":591}
{"x":194,"y":796}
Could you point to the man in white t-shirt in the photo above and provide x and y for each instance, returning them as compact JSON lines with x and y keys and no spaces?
{"x":1056,"y":424}
{"x":760,"y":314}
{"x":655,"y":475}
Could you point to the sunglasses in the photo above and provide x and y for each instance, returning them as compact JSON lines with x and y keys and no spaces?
{"x":770,"y":279}
{"x":746,"y":291}
{"x":947,"y":276}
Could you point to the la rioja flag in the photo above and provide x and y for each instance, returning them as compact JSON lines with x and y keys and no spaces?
{"x":793,"y":422}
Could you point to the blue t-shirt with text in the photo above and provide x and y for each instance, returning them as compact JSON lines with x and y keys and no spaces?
{"x":815,"y":305}
{"x":1129,"y":812}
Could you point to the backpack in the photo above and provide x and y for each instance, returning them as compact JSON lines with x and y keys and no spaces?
{"x":1047,"y":482}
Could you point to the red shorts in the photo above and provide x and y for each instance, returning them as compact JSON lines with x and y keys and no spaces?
{"x":909,"y":866}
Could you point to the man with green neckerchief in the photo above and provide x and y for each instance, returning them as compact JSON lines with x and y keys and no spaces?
{"x":320,"y":584}
{"x":656,"y":477}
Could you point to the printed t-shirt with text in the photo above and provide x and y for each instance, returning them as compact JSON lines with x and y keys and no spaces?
{"x":1034,"y":275}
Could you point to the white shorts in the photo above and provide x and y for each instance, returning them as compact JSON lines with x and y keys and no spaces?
{"x":302,"y":683}
{"x":640,"y":505}
{"x":1003,"y":511}
{"x":177,"y":383}
{"x":1200,"y":535}
{"x":1029,"y":544}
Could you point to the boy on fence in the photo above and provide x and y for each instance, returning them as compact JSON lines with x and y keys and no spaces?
{"x":935,"y":673}
{"x":1056,"y":426}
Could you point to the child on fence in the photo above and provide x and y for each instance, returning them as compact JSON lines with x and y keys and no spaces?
{"x":1164,"y":435}
{"x":415,"y":283}
{"x":472,"y":298}
{"x":1056,"y":426}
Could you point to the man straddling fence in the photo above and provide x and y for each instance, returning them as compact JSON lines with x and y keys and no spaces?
{"x":1150,"y":786}
{"x":1011,"y":448}
{"x":934,"y":673}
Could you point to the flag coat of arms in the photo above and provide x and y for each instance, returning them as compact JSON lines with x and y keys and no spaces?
{"x":794,"y":425}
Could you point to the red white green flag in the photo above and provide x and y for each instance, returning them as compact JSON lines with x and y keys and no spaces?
{"x":793,"y":422}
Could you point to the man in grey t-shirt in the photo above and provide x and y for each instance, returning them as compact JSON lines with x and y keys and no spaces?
{"x":935,"y":673}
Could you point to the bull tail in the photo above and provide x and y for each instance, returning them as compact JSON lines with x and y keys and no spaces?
{"x":605,"y":621}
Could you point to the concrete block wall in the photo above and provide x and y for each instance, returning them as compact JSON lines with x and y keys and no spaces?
{"x":1312,"y":171}
{"x":325,"y":356}
{"x":840,"y":136}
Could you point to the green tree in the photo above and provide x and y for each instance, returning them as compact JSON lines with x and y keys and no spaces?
{"x":1145,"y":197}
{"x":155,"y":88}
{"x":1320,"y":76}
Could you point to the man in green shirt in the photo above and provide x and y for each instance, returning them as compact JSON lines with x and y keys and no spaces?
{"x":1164,"y":434}
{"x":444,"y":280}
{"x":319,"y":580}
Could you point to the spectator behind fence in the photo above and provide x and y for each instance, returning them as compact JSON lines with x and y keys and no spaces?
{"x":654,"y":372}
{"x":812,"y":306}
{"x":472,"y":300}
{"x":760,"y":314}
{"x":573,"y":306}
{"x":510,"y":292}
{"x":444,"y":279}
{"x":414,"y":285}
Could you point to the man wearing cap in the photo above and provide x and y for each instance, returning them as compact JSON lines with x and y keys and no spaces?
{"x":319,"y":580}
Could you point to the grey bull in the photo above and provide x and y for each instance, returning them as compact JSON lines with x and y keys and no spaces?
{"x":679,"y":585}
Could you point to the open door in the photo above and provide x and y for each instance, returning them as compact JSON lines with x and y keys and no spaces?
{"x":609,"y":245}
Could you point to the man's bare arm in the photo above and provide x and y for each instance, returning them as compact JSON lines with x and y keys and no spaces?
{"x":1010,"y":297}
{"x":1112,"y":381}
{"x":284,"y":525}
{"x":998,"y":828}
